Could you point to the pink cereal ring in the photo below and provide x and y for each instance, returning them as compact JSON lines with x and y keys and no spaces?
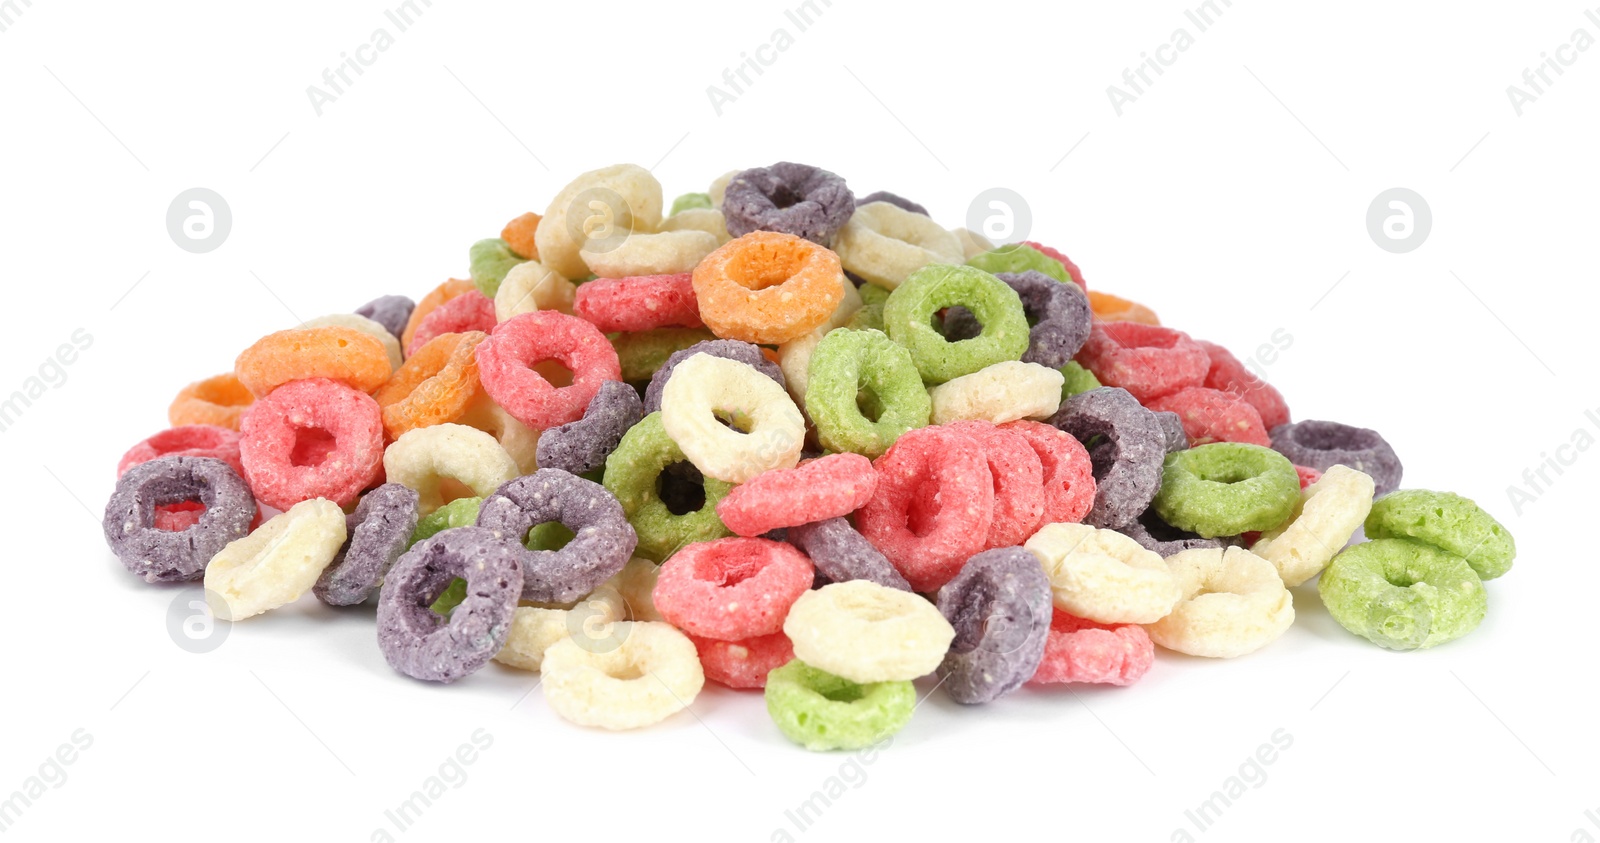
{"x":745,"y":663}
{"x":1147,"y":360}
{"x":1307,"y":475}
{"x":506,"y":358}
{"x":731,"y":589}
{"x":1069,"y":485}
{"x":1073,"y":271}
{"x":639,"y":303}
{"x":470,"y":311}
{"x":189,"y":440}
{"x":1079,"y":650}
{"x":933,"y":506}
{"x":1211,"y":415}
{"x":1018,"y":474}
{"x":816,"y":490}
{"x":1229,"y":375}
{"x":177,"y":517}
{"x":309,"y":439}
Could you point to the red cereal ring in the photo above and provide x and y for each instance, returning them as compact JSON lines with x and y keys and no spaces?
{"x":1229,"y":375}
{"x":470,"y":311}
{"x":177,"y":517}
{"x":506,"y":358}
{"x":639,"y":303}
{"x":1073,"y":271}
{"x":1211,"y":415}
{"x":1079,"y":650}
{"x":745,"y":663}
{"x":1018,"y":474}
{"x":731,"y":589}
{"x":1069,"y":485}
{"x":435,"y":297}
{"x":1307,"y":475}
{"x":816,"y":490}
{"x":1147,"y":360}
{"x":309,"y":439}
{"x":933,"y":506}
{"x":190,"y":440}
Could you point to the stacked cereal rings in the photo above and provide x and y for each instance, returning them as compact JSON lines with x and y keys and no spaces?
{"x":784,"y":438}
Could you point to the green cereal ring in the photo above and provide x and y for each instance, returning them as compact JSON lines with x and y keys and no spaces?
{"x":1078,"y":379}
{"x":1019,"y":258}
{"x":461,"y":512}
{"x":632,"y":472}
{"x":1403,"y":595}
{"x":641,"y":353}
{"x":864,"y":391}
{"x":821,"y":711}
{"x":868,"y":318}
{"x":872,"y":294}
{"x":490,"y":261}
{"x":908,"y":318}
{"x":1446,"y":521}
{"x":1227,"y":488}
{"x":690,"y":200}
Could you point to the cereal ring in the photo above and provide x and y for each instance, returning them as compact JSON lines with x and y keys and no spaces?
{"x":1069,"y":487}
{"x":1233,"y":604}
{"x":639,"y":303}
{"x":1129,"y":447}
{"x":651,"y":676}
{"x":218,"y":400}
{"x":688,"y":202}
{"x":379,"y":531}
{"x":830,"y":487}
{"x":278,"y":429}
{"x":593,"y":209}
{"x":660,"y":253}
{"x":489,"y":261}
{"x":900,"y":202}
{"x":794,"y":199}
{"x":506,"y":357}
{"x":866,"y":633}
{"x":1229,"y":375}
{"x":972,"y":243}
{"x":708,"y":220}
{"x":768,"y":429}
{"x":435,"y":385}
{"x":1227,"y":488}
{"x":841,"y":554}
{"x":741,"y":352}
{"x":633,"y":472}
{"x":1059,"y":314}
{"x":159,"y":555}
{"x":440,"y":459}
{"x":1163,"y":539}
{"x":1324,"y":444}
{"x":191,"y":440}
{"x":1327,"y":513}
{"x":1210,"y":415}
{"x":532,"y":286}
{"x":354,"y":321}
{"x":1307,"y":475}
{"x":340,"y":354}
{"x":999,"y":606}
{"x":426,"y":645}
{"x":1447,"y":521}
{"x":908,"y":319}
{"x":637,"y":584}
{"x":849,"y":366}
{"x":719,"y":187}
{"x":743,"y":664}
{"x":535,"y":629}
{"x":1171,"y":429}
{"x":461,"y":512}
{"x":278,"y":562}
{"x":437,"y":296}
{"x":934,"y":505}
{"x":1103,"y":576}
{"x":602,"y":542}
{"x":1078,"y":380}
{"x":823,"y":712}
{"x":1402,"y":595}
{"x":392,"y":312}
{"x":1019,"y":258}
{"x":731,"y":589}
{"x":1110,"y":308}
{"x":767,"y":287}
{"x":582,"y":446}
{"x":1074,"y":274}
{"x":1146,"y":360}
{"x":468,"y":312}
{"x":642,"y":353}
{"x":518,"y":440}
{"x":519,"y":235}
{"x":998,"y":393}
{"x":1018,"y":475}
{"x":1080,"y":650}
{"x":885,"y":244}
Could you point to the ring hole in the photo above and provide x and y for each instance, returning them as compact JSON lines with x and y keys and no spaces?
{"x":551,"y":535}
{"x":847,"y":694}
{"x":923,"y":515}
{"x":734,"y":420}
{"x":785,"y":197}
{"x":682,"y":488}
{"x":447,"y":601}
{"x":553,"y":371}
{"x":868,"y":405}
{"x":625,"y":672}
{"x":451,"y":489}
{"x":311,"y":446}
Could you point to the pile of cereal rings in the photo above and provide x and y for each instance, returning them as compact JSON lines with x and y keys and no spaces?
{"x":788,"y":439}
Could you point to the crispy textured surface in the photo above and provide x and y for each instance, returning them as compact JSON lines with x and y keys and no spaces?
{"x":822,"y":712}
{"x":279,"y":427}
{"x":392,"y":312}
{"x":998,"y":393}
{"x":908,"y":319}
{"x":1227,"y":488}
{"x":1211,"y":415}
{"x":277,"y":563}
{"x":423,"y":644}
{"x":767,"y":287}
{"x":866,"y":633}
{"x":884,"y":244}
{"x":1328,"y":513}
{"x":159,"y":555}
{"x":1233,"y":604}
{"x":342,"y":354}
{"x":422,"y":458}
{"x":847,"y":364}
{"x":999,"y":607}
{"x":602,"y":542}
{"x":1402,"y":595}
{"x":633,"y":472}
{"x":816,"y":490}
{"x":743,"y":664}
{"x":1324,"y":444}
{"x":653,"y":674}
{"x":1129,"y":445}
{"x":796,"y":199}
{"x":435,"y":385}
{"x":1447,"y":521}
{"x":379,"y":531}
{"x":1103,"y":576}
{"x":1059,"y":314}
{"x":934,"y":505}
{"x":1147,"y":360}
{"x":506,"y":358}
{"x":1080,"y":650}
{"x":705,"y":387}
{"x":731,"y":588}
{"x":582,"y":446}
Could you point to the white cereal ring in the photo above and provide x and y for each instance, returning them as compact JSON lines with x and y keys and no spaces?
{"x":535,"y":629}
{"x":653,"y":674}
{"x":1233,"y":603}
{"x":1328,"y":514}
{"x":709,"y":220}
{"x":661,"y":253}
{"x":427,"y":458}
{"x":278,"y":562}
{"x":884,"y":243}
{"x":972,"y":243}
{"x":703,"y":387}
{"x":518,"y":440}
{"x":794,"y":358}
{"x":868,"y":633}
{"x":719,"y":187}
{"x":355,"y":321}
{"x":596,"y":206}
{"x":531,"y":286}
{"x":1103,"y":575}
{"x":999,"y":393}
{"x":636,"y":582}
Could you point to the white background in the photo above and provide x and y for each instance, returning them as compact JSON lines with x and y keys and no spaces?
{"x":1231,"y":196}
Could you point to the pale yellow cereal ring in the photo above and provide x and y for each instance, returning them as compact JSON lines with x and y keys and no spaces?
{"x":885,"y":243}
{"x":518,"y":440}
{"x":709,"y":220}
{"x":1000,"y":393}
{"x":704,"y":387}
{"x":867,"y":632}
{"x":598,"y":206}
{"x":391,"y":344}
{"x":794,"y":357}
{"x":719,"y":187}
{"x":1232,"y":603}
{"x":652,"y":674}
{"x":972,"y":243}
{"x":447,"y":460}
{"x":661,"y":253}
{"x":278,"y":562}
{"x":531,"y":286}
{"x":1328,"y":514}
{"x":1103,"y":575}
{"x":636,"y":582}
{"x":535,"y":629}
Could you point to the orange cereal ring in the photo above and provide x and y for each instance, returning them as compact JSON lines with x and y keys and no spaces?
{"x":518,"y":235}
{"x":218,"y":400}
{"x":436,"y":385}
{"x":768,"y":288}
{"x":1109,"y":308}
{"x":440,"y":294}
{"x":353,"y":357}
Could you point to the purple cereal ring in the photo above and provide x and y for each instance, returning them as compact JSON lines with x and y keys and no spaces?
{"x":1172,"y":429}
{"x":602,"y":541}
{"x":893,"y":199}
{"x":1000,"y":607}
{"x":424,"y":644}
{"x":1059,"y":314}
{"x":582,"y":446}
{"x":1163,"y":539}
{"x":1324,"y":444}
{"x":790,"y":198}
{"x":379,"y":530}
{"x":176,"y":555}
{"x":743,"y":352}
{"x":1127,"y":459}
{"x":392,"y":312}
{"x":840,"y":554}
